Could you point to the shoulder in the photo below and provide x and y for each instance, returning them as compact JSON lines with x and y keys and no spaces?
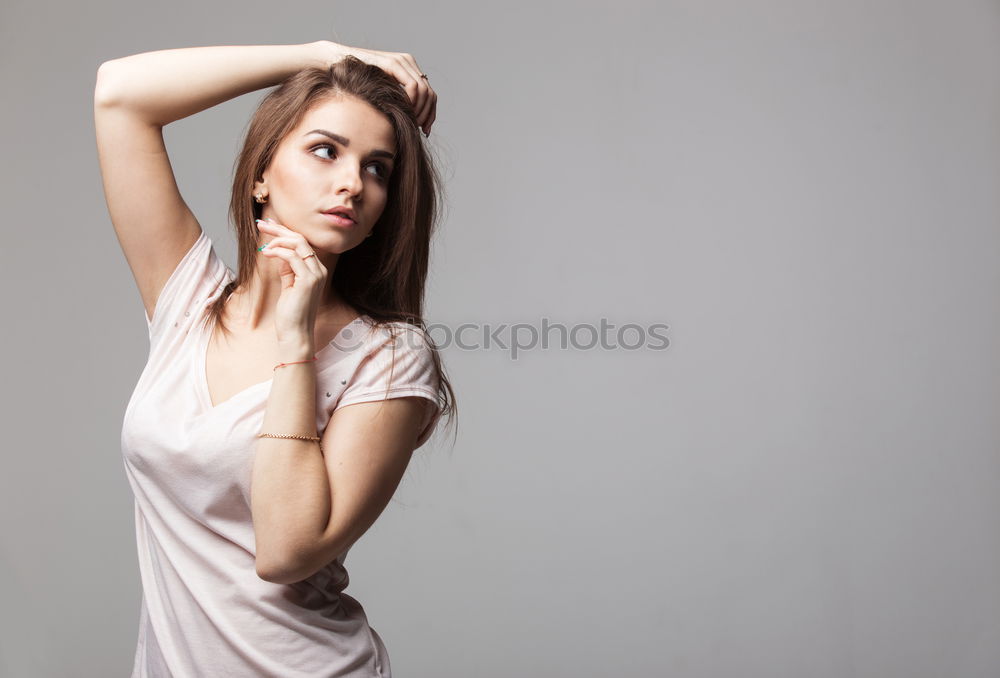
{"x":395,"y":336}
{"x":398,"y":361}
{"x":198,"y":276}
{"x":396,"y":352}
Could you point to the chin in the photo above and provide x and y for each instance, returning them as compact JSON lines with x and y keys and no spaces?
{"x":334,"y":242}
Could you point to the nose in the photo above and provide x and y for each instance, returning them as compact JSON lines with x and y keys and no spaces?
{"x":349,"y":179}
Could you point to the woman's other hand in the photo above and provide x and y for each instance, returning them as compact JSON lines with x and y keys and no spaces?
{"x":303,"y":280}
{"x":401,"y":66}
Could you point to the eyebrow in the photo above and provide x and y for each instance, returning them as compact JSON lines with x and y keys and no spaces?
{"x":377,"y":153}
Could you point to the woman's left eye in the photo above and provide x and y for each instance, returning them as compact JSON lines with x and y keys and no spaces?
{"x":382,"y":172}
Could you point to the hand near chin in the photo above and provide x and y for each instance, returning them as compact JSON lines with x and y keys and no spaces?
{"x":303,"y":279}
{"x":401,"y":66}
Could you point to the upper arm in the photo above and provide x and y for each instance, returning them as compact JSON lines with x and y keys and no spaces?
{"x":366,"y":449}
{"x":154,"y":225}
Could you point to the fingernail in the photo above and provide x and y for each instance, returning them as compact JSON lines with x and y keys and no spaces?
{"x":262,"y":247}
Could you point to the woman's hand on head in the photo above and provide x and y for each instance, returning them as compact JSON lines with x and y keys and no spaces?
{"x":401,"y":66}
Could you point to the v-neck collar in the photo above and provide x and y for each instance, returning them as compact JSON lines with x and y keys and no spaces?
{"x":201,"y":364}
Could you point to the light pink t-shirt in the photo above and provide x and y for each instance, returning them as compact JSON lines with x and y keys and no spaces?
{"x":204,"y":611}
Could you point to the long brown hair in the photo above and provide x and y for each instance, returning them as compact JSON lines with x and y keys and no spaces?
{"x":384,"y":276}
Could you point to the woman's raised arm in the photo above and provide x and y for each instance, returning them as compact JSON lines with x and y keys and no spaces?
{"x":134,"y":98}
{"x":170,"y":84}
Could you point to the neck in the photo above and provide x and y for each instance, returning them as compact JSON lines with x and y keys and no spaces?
{"x":253,"y":306}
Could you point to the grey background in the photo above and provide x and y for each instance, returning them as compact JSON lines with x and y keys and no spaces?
{"x":806,"y":483}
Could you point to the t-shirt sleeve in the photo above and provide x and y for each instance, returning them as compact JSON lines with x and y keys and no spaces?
{"x":198,"y":275}
{"x":413,"y":374}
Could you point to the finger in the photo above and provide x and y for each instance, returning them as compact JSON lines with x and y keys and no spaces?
{"x":424,"y":91}
{"x":300,"y":250}
{"x":270,"y":227}
{"x":414,"y":84}
{"x":431,"y":113}
{"x":282,"y":241}
{"x":424,"y":114}
{"x":284,"y":231}
{"x":412,"y":88}
{"x":299,"y":268}
{"x":276,"y":227}
{"x":401,"y":71}
{"x":407,"y":65}
{"x":427,"y":105}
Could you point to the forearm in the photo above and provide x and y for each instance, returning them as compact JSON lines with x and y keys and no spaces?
{"x":290,"y":492}
{"x":166,"y":85}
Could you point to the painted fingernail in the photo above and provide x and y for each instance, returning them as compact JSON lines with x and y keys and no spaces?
{"x":262,"y":247}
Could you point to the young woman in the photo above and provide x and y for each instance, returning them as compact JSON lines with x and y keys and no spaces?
{"x":280,"y":404}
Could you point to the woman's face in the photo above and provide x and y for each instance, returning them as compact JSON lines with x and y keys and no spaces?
{"x":311,"y":173}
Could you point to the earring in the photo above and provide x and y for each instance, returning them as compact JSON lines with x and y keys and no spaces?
{"x":260,"y":197}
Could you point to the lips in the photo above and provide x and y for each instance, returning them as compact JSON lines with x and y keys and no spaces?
{"x":343,"y":211}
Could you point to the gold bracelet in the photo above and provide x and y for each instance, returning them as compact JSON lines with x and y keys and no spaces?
{"x":283,"y":435}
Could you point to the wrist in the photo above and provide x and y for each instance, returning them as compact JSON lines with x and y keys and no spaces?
{"x":325,"y":52}
{"x":295,"y":350}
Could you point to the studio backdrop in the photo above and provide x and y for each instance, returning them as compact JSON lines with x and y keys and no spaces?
{"x":718,"y":288}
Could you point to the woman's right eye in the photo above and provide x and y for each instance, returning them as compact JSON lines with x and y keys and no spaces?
{"x":316,"y":148}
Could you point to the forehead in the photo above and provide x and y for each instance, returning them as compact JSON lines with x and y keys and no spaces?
{"x":365,"y":127}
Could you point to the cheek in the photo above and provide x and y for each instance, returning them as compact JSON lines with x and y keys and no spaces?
{"x":293,"y":177}
{"x":375,"y":209}
{"x":372,"y":199}
{"x":379,"y":196}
